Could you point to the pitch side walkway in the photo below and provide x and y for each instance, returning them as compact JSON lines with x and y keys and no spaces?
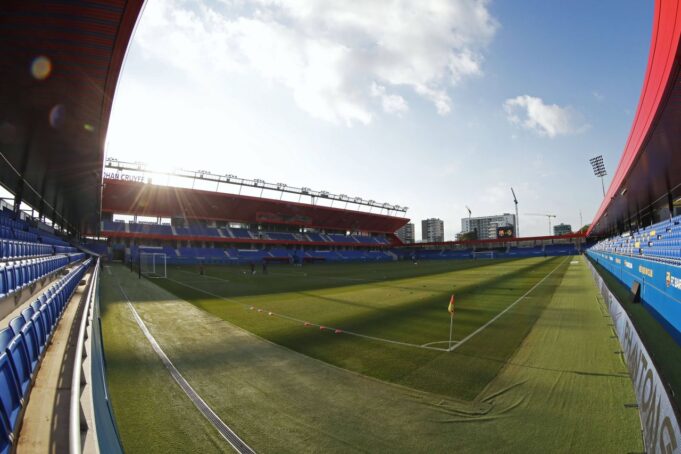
{"x":565,"y":389}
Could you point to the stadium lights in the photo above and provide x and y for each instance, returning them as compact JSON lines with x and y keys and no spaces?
{"x":204,"y":175}
{"x":517,"y":220}
{"x":599,"y":169}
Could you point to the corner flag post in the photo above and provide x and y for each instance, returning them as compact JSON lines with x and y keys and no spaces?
{"x":450,"y":309}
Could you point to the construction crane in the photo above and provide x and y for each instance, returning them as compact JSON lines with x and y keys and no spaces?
{"x":549,"y":216}
{"x":517,"y":221}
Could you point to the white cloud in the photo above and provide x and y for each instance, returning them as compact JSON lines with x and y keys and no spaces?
{"x":334,"y":56}
{"x":394,"y":104}
{"x":549,"y":120}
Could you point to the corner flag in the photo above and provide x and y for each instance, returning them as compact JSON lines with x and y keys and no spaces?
{"x":450,"y":308}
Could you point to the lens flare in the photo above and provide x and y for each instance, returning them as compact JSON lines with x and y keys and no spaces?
{"x":57,"y":116}
{"x":41,"y":67}
{"x":88,"y":127}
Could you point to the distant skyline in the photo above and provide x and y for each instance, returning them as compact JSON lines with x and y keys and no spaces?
{"x":434,"y":105}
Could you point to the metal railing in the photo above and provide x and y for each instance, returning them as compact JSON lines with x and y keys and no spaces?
{"x":90,"y":413}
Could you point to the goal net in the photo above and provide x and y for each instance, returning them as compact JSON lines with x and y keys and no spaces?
{"x":153,"y":264}
{"x":483,"y":254}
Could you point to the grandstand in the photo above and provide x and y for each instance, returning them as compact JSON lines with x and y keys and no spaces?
{"x":242,"y":229}
{"x":346,"y":342}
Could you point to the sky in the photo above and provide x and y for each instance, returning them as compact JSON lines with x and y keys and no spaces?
{"x":435,"y":105}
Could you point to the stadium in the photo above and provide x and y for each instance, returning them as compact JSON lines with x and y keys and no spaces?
{"x":154,"y":310}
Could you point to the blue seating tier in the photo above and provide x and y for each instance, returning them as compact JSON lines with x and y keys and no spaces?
{"x":242,"y":234}
{"x":22,"y":346}
{"x":659,"y":242}
{"x":15,"y":276}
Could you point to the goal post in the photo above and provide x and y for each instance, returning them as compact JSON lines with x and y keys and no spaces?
{"x":153,"y":264}
{"x":483,"y":254}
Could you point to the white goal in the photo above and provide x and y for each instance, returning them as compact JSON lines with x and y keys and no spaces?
{"x":153,"y":264}
{"x":483,"y":254}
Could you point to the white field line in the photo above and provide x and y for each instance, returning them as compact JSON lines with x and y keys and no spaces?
{"x":223,"y":429}
{"x":299,"y":321}
{"x":440,"y":342}
{"x":496,"y":317}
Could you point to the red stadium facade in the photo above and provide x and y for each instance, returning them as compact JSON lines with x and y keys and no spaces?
{"x":187,"y":207}
{"x":127,"y":197}
{"x":647,"y":182}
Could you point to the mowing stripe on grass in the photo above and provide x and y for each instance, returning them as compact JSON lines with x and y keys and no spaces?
{"x":228,"y":434}
{"x":496,"y":317}
{"x":278,"y":273}
{"x":302,"y":322}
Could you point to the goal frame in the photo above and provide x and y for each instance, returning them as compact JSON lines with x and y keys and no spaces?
{"x":153,"y":265}
{"x":483,"y":254}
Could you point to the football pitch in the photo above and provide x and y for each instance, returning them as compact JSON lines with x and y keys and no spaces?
{"x":356,"y":357}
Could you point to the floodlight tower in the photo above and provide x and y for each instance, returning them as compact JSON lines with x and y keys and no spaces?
{"x":599,"y":169}
{"x":517,"y":219}
{"x":469,"y":218}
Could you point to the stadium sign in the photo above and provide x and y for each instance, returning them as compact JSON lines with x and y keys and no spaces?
{"x":123,"y":177}
{"x":673,"y":281}
{"x":660,"y":424}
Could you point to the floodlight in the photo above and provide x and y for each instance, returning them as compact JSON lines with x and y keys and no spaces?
{"x":599,"y":169}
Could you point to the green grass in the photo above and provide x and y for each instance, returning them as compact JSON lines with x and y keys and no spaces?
{"x":400,"y":302}
{"x":660,"y":344}
{"x":141,"y":383}
{"x":542,"y":378}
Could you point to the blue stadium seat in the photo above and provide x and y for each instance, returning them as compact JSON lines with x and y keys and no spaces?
{"x":10,"y":400}
{"x":9,"y":279}
{"x":21,"y":364}
{"x":40,"y":331}
{"x":48,"y":322}
{"x":28,"y":313}
{"x":6,"y":335}
{"x":54,"y":309}
{"x":17,"y":323}
{"x":30,"y":336}
{"x":4,"y":291}
{"x":5,"y":442}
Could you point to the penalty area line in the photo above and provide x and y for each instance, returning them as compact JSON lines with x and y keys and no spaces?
{"x":223,"y":429}
{"x":297,"y":320}
{"x":496,"y":317}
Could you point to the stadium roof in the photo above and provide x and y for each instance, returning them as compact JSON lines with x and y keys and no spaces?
{"x":59,"y":64}
{"x":130,"y":197}
{"x":649,"y":173}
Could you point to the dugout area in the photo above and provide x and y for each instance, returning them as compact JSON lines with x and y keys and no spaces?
{"x":544,"y":376}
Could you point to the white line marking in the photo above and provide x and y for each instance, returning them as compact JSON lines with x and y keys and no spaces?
{"x":440,"y":342}
{"x":496,"y":317}
{"x":426,"y":346}
{"x":302,"y":322}
{"x":228,"y":434}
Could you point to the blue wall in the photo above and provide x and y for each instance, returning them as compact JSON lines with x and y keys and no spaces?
{"x":660,"y":285}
